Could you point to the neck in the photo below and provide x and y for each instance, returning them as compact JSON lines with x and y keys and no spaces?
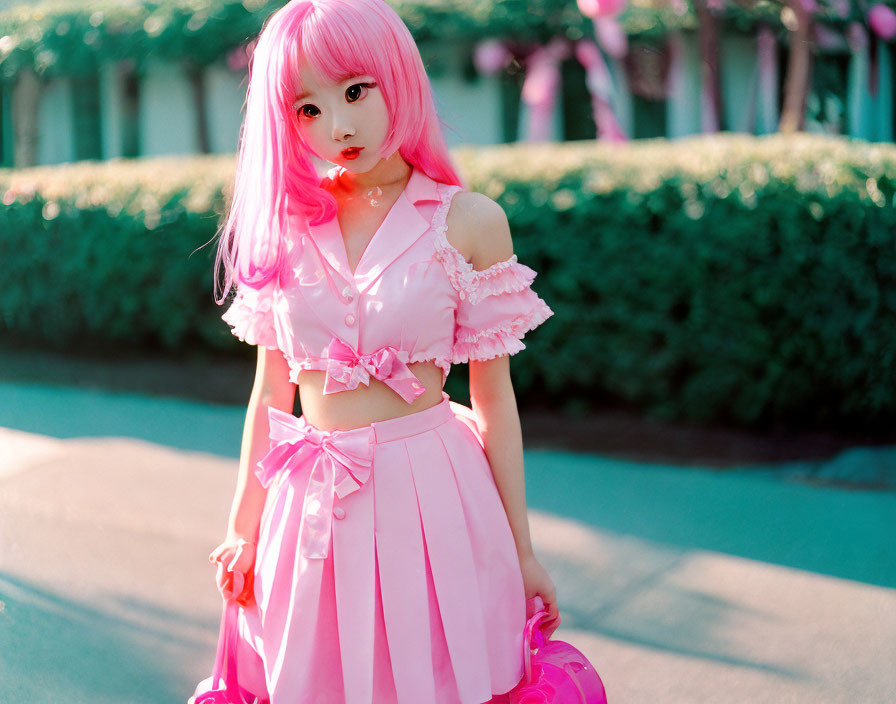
{"x":386,"y":173}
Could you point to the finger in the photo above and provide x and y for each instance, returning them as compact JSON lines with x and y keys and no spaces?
{"x":247,"y":597}
{"x":218,"y":553}
{"x":554,"y":622}
{"x":237,"y":554}
{"x":242,"y":562}
{"x":223,"y":579}
{"x":550,"y":606}
{"x":239,"y":581}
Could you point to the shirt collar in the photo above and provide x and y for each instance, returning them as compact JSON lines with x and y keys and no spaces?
{"x":403,"y":225}
{"x":420,"y":187}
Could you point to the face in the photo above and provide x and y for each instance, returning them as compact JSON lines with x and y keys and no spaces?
{"x":333,"y":117}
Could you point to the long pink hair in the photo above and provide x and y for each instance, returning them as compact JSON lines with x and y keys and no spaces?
{"x":275,"y":177}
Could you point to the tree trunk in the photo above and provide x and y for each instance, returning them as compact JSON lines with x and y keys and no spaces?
{"x":711,"y":93}
{"x":196,"y":76}
{"x":799,"y":70}
{"x":25,"y":103}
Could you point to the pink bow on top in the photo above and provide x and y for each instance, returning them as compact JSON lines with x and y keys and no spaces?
{"x":346,"y":369}
{"x":339,"y":462}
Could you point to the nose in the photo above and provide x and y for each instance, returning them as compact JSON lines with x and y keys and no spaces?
{"x":341,"y":129}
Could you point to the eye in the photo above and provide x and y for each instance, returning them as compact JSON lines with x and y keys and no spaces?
{"x":353,"y":95}
{"x":301,"y":111}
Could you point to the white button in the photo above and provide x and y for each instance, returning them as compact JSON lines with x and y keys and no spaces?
{"x":349,"y":319}
{"x":339,"y":512}
{"x":347,"y":293}
{"x":415,"y":384}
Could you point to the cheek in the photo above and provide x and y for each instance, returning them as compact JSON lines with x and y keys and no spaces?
{"x":380,"y":117}
{"x":311,"y":132}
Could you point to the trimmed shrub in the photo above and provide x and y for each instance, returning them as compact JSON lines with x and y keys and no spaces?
{"x":728,"y":278}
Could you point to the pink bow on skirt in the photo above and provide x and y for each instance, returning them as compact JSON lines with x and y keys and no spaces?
{"x":338,"y":462}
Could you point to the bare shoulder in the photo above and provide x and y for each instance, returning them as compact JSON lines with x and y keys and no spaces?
{"x":478,"y":229}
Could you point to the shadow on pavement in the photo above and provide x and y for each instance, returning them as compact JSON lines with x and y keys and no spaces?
{"x":846,"y":534}
{"x":56,"y":649}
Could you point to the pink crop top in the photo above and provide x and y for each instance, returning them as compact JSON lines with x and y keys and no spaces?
{"x":412,"y":298}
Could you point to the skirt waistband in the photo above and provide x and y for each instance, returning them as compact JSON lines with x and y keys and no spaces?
{"x":419,"y":422}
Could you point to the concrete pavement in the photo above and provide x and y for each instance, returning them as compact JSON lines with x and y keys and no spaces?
{"x":680,"y":585}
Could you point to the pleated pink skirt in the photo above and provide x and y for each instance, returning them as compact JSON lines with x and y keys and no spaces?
{"x":386,"y":570}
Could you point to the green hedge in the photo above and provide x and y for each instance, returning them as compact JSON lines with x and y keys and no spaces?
{"x":99,"y":253}
{"x":730,"y":278}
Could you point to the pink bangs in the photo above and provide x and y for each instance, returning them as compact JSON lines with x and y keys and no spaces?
{"x":276,"y":184}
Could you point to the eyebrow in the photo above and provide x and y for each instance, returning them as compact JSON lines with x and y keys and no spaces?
{"x":341,"y":79}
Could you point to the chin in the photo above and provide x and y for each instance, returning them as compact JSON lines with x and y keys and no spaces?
{"x":353,"y":165}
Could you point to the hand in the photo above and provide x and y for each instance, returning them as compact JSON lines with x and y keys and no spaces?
{"x":236,"y":570}
{"x":538,"y":584}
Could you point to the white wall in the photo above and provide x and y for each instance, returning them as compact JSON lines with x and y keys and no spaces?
{"x":738,"y":76}
{"x":110,"y":105}
{"x":55,"y":142}
{"x":683,"y":105}
{"x":471,"y":110}
{"x":167,"y":124}
{"x":225,"y":91}
{"x":621,"y":98}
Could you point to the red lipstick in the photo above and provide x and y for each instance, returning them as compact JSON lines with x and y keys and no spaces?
{"x":351,"y":152}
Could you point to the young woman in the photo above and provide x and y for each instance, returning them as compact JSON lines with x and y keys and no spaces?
{"x":378,"y":545}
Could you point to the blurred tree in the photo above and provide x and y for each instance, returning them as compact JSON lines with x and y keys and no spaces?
{"x":708,"y":30}
{"x":798,"y":21}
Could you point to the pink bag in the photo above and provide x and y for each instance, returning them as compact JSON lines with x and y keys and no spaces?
{"x":222,"y":687}
{"x":557,"y":673}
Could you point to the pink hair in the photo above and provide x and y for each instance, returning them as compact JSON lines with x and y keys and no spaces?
{"x":275,"y":177}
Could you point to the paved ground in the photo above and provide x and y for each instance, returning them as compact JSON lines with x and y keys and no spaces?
{"x":680,"y":584}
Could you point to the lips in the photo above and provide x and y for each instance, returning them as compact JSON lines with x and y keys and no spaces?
{"x":351,"y":152}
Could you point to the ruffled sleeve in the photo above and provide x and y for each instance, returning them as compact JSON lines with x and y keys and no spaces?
{"x":496,"y":306}
{"x":251,"y":315}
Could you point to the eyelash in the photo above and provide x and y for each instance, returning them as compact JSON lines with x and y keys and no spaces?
{"x":299,"y":109}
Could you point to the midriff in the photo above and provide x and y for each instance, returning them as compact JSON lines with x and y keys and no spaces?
{"x":364,"y":405}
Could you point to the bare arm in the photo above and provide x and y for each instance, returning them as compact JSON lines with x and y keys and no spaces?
{"x":494,"y":402}
{"x":479,"y":226}
{"x":482,"y":229}
{"x":271,"y":388}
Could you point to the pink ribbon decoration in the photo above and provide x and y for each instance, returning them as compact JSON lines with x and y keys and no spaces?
{"x":338,"y":462}
{"x":540,"y":87}
{"x":610,"y":34}
{"x":600,"y":8}
{"x":490,"y":56}
{"x":882,"y":21}
{"x":346,"y":369}
{"x":599,"y":83}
